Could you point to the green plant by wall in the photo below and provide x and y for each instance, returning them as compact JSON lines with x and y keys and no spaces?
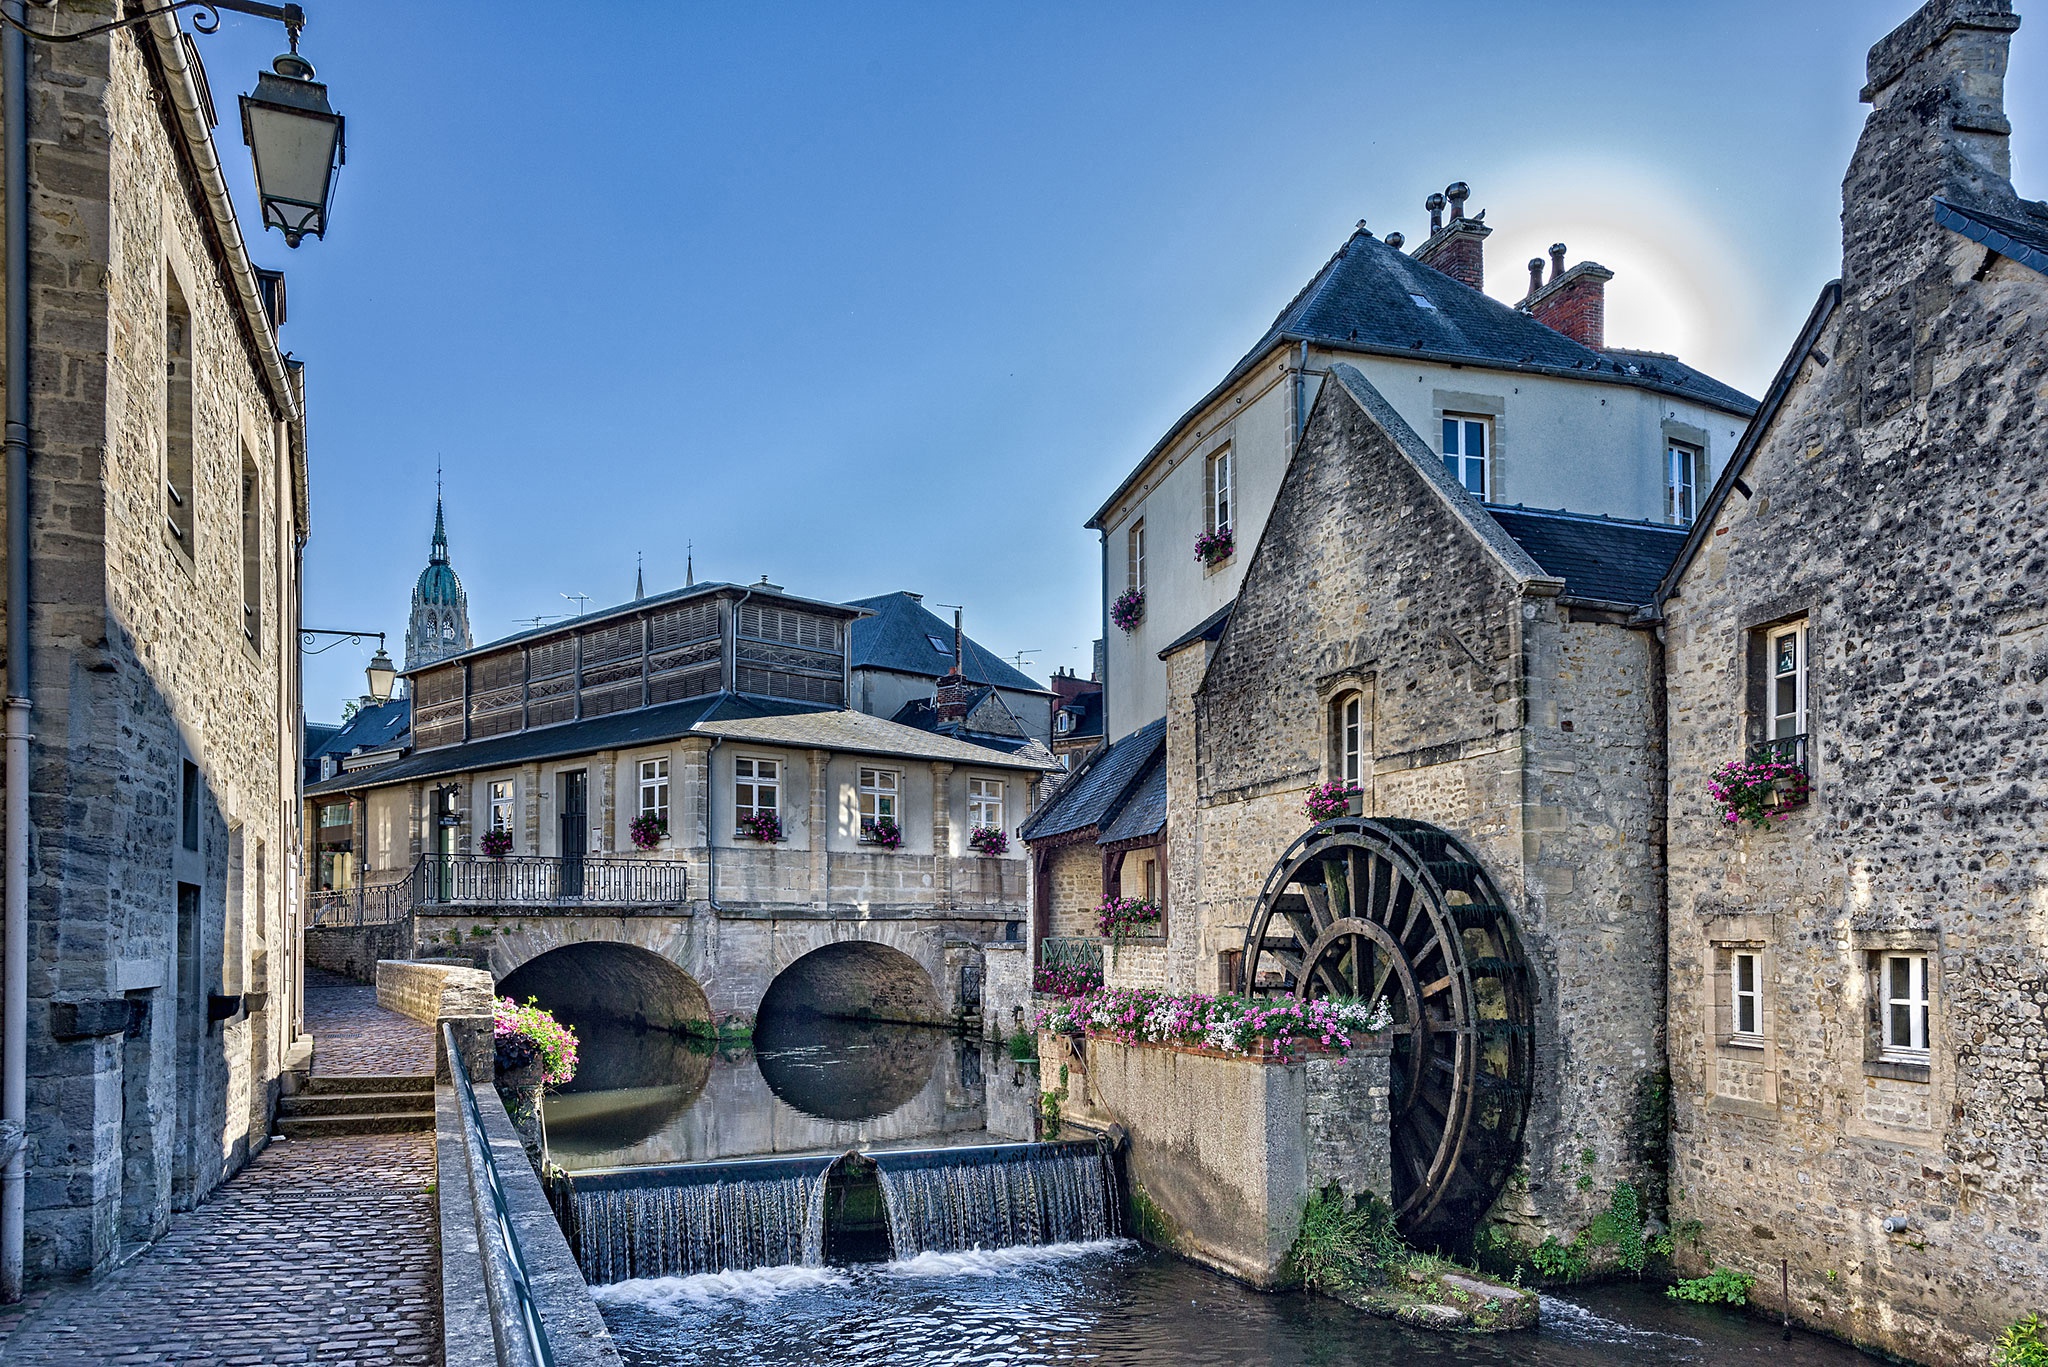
{"x":1620,"y":1234}
{"x":1722,"y":1286}
{"x":2020,"y":1345}
{"x":1342,"y":1245}
{"x":1049,"y":1105}
{"x":1024,"y":1047}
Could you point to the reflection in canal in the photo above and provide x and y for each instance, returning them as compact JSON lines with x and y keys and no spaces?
{"x":806,"y":1084}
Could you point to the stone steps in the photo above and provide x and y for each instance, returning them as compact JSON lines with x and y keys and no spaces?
{"x":334,"y":1106}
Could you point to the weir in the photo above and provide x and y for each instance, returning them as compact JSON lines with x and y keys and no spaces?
{"x":678,"y":1220}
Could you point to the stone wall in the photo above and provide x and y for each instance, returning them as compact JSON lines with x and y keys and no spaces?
{"x":1005,"y":990}
{"x":1227,"y":1150}
{"x":353,"y":951}
{"x":1897,"y":503}
{"x":456,"y":994}
{"x":1074,"y":883}
{"x":140,"y":665}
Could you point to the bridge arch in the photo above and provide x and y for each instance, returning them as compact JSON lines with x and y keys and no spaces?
{"x":612,"y":980}
{"x":856,"y":980}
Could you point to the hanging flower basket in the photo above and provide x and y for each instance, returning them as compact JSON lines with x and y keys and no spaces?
{"x":647,"y":831}
{"x":1761,"y":792}
{"x":522,"y":1034}
{"x":884,"y":832}
{"x":495,"y":843}
{"x":765,"y":827}
{"x":1128,"y":610}
{"x":1213,"y":548}
{"x":988,"y":841}
{"x":1327,"y":801}
{"x":1121,"y":917}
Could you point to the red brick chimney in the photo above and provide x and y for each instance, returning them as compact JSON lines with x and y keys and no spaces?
{"x":951,"y":696}
{"x":1456,"y":248}
{"x":1573,"y":301}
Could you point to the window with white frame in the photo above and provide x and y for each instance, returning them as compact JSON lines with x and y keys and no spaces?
{"x":1134,"y":546}
{"x":1351,"y":739}
{"x":756,"y":787}
{"x":1787,"y":664}
{"x":1904,"y":982}
{"x":879,"y":792}
{"x":501,"y":804}
{"x":1222,"y":479}
{"x":1468,"y":446}
{"x":1746,"y":996}
{"x":985,"y":803}
{"x":1063,"y":723}
{"x":654,"y":788}
{"x":1684,"y":468}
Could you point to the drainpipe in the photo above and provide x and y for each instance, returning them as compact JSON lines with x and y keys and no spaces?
{"x":1301,"y":392}
{"x":14,"y":1019}
{"x":711,"y":825}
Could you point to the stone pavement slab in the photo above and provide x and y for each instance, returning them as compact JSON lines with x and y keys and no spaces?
{"x":352,"y":1035}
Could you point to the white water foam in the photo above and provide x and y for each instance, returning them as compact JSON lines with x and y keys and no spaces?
{"x":993,"y":1262}
{"x":1576,"y":1322}
{"x":670,"y":1295}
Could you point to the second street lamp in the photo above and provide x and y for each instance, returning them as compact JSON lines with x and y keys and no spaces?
{"x":297,"y":142}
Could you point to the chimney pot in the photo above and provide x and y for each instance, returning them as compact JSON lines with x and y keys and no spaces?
{"x":1396,"y":241}
{"x":1535,"y":274}
{"x":1435,"y":205}
{"x":1457,"y":192}
{"x":1556,"y":260}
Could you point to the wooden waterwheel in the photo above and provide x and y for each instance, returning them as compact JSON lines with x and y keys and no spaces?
{"x":1402,"y":910}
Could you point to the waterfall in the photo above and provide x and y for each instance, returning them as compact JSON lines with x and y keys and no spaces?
{"x":680,"y":1220}
{"x":944,"y":1201}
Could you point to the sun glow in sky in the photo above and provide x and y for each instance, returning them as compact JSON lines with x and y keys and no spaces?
{"x":891,"y":296}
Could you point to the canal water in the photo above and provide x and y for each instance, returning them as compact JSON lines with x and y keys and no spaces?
{"x":808,"y":1086}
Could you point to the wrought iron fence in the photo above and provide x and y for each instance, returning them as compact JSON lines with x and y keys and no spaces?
{"x":365,"y":904}
{"x":1783,"y":750}
{"x":532,"y":880}
{"x":1069,"y":964}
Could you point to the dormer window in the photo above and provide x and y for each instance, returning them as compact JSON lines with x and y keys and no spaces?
{"x":1063,"y":723}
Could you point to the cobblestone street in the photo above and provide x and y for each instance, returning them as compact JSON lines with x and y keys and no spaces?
{"x":320,"y":1251}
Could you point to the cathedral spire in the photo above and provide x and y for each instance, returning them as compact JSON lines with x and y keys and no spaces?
{"x":438,"y":554}
{"x":440,"y":608}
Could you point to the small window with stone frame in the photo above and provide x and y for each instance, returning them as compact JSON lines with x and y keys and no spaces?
{"x":654,"y":788}
{"x":1134,"y":546}
{"x":1468,"y":448}
{"x":985,"y":803}
{"x":1348,"y":740}
{"x":1780,"y":694}
{"x":501,"y":805}
{"x":1221,"y":481}
{"x":180,"y":496}
{"x":252,"y":552}
{"x":1684,"y":472}
{"x":879,"y":791}
{"x":1745,"y":997}
{"x":756,"y":787}
{"x":1904,"y":1008}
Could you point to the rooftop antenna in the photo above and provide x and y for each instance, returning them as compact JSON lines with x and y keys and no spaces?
{"x":1018,"y":658}
{"x":539,"y":622}
{"x":579,"y":599}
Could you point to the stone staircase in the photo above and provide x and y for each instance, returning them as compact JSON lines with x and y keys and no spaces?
{"x":348,"y":1104}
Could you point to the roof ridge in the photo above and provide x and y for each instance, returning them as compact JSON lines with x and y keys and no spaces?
{"x":1320,"y":278}
{"x":1574,"y":513}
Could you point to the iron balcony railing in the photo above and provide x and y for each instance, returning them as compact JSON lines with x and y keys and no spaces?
{"x":365,"y":904}
{"x":1081,"y":953}
{"x":1783,"y":750}
{"x":532,"y":880}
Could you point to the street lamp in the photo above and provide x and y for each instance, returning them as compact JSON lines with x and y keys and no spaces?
{"x":296,"y":141}
{"x":382,"y":676}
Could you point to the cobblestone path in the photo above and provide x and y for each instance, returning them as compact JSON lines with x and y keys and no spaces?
{"x":321,"y":1251}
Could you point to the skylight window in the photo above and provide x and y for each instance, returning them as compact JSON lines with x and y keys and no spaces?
{"x":940,"y":644}
{"x":1422,"y":301}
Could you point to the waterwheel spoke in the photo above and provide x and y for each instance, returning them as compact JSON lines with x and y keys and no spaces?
{"x":1318,"y":900}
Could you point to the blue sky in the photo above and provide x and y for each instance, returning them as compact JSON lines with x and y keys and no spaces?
{"x":869,"y":297}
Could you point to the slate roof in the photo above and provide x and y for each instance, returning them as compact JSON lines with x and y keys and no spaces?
{"x":1087,"y":710}
{"x":1376,"y":299}
{"x":898,"y":637}
{"x":375,"y":726}
{"x":2025,"y":240}
{"x":1107,"y":782}
{"x":860,"y":733}
{"x":1603,"y":558}
{"x":1210,"y":628}
{"x":1144,"y":810}
{"x":642,"y":726}
{"x":923,"y":714}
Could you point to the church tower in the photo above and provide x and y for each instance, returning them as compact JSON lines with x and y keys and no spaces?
{"x":440,"y":609}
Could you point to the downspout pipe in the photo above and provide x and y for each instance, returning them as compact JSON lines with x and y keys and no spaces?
{"x":14,"y":1017}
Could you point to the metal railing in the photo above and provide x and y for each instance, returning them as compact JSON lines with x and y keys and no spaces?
{"x":505,"y":1278}
{"x":532,"y":880}
{"x":1783,"y":750}
{"x":365,"y":904}
{"x":1082,"y":953}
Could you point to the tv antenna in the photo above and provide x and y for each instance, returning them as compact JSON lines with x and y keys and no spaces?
{"x":579,"y":599}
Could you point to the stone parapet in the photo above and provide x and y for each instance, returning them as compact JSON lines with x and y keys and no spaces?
{"x":456,"y":993}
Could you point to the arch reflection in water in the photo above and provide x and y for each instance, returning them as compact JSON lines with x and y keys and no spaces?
{"x":846,"y":1069}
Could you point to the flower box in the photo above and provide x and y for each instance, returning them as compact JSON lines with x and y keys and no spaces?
{"x":990,"y":842}
{"x":882,"y":832}
{"x":1213,"y":548}
{"x":765,"y":827}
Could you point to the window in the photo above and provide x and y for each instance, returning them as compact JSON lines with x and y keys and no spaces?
{"x":334,"y":814}
{"x":189,"y":806}
{"x":1788,"y":682}
{"x":1351,"y":739}
{"x":252,"y":552}
{"x":985,"y":803}
{"x":1746,"y":995}
{"x":654,"y":788}
{"x":1063,"y":723}
{"x":1135,"y":547}
{"x":1905,"y":1008}
{"x":878,"y":793}
{"x":178,"y":496}
{"x":1683,"y":468}
{"x":1467,"y":444}
{"x":756,"y":788}
{"x":939,"y":643}
{"x":501,"y":804}
{"x":1149,"y":878}
{"x":1221,"y":489}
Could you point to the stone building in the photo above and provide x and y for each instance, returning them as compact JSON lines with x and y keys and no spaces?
{"x":439,"y":624}
{"x":1857,"y":1037}
{"x":167,"y":505}
{"x":1526,"y":405}
{"x":718,"y":715}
